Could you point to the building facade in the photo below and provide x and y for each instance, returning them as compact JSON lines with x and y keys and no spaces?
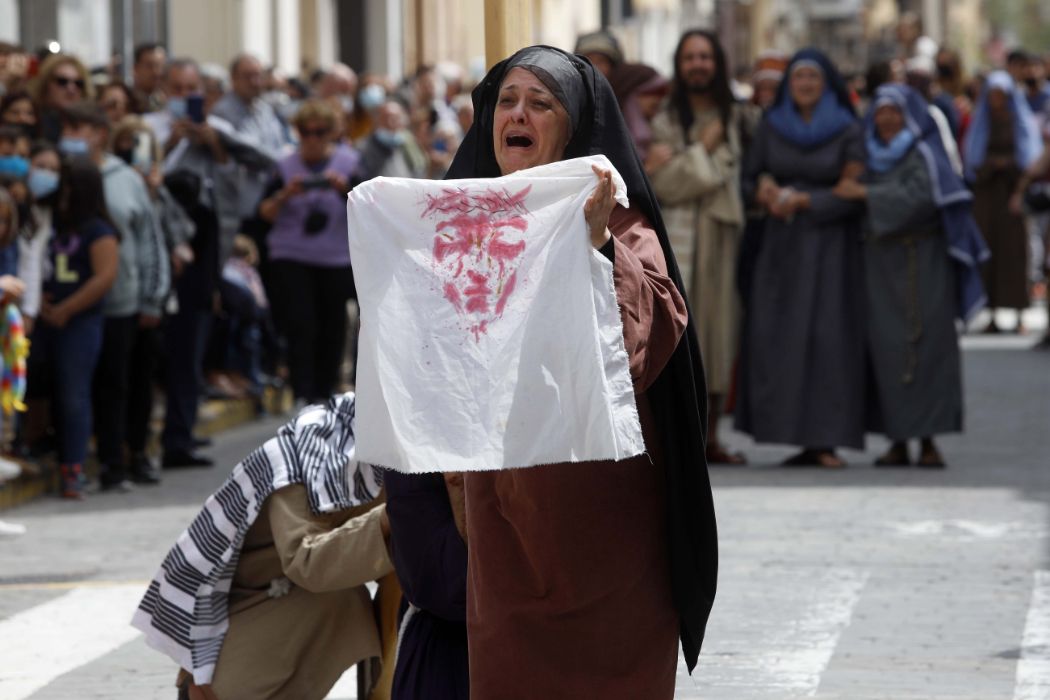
{"x":393,"y":37}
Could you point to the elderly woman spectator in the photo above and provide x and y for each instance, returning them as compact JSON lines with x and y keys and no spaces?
{"x":921,"y":246}
{"x":310,"y":274}
{"x":61,"y":82}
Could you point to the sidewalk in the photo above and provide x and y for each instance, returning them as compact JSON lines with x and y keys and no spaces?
{"x":216,"y":416}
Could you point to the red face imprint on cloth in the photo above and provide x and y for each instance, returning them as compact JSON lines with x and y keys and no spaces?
{"x":478,"y":243}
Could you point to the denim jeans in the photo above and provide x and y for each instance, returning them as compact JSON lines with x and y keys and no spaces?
{"x":65,"y":361}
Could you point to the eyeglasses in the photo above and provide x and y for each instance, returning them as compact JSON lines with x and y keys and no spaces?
{"x":64,"y":82}
{"x":313,"y":133}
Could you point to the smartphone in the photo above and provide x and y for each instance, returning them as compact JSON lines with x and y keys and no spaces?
{"x":315,"y":182}
{"x":195,"y":108}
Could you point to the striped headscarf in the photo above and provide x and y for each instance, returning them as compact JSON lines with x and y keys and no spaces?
{"x":184,"y":613}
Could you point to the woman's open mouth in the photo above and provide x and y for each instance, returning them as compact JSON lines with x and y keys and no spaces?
{"x":518,"y":141}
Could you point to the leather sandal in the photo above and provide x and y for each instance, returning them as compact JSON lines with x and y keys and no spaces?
{"x":718,"y":455}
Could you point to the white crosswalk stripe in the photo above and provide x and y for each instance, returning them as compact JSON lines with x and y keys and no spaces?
{"x":70,"y":631}
{"x":1033,"y":668}
{"x":774,"y":632}
{"x":773,"y":635}
{"x":346,"y":687}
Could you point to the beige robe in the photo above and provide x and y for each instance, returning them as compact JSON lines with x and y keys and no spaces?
{"x":297,"y":645}
{"x":699,"y":195}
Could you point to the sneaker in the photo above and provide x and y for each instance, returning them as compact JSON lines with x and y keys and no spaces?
{"x":114,"y":479}
{"x":72,"y":482}
{"x":144,"y":470}
{"x":173,"y":459}
{"x":120,"y":486}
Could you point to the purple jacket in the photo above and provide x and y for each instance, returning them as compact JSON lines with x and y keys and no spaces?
{"x":311,"y":228}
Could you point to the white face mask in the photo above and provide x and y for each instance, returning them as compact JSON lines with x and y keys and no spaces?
{"x":390,"y":139}
{"x":372,"y":96}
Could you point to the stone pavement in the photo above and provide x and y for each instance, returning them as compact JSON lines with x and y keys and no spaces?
{"x":858,"y":584}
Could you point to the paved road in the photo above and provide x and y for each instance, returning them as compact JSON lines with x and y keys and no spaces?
{"x":859,"y":584}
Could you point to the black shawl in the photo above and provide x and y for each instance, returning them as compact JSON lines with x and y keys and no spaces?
{"x":679,"y":396}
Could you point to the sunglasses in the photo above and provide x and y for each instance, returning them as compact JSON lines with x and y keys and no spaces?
{"x":313,"y":133}
{"x":66,"y":82}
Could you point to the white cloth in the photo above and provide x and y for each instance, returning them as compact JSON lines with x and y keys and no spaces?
{"x":490,"y":333}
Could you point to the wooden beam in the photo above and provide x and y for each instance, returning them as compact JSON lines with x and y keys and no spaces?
{"x":508,"y":27}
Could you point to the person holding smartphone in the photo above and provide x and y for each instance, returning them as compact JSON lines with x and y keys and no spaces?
{"x":255,"y":119}
{"x":311,"y":278}
{"x":202,"y":163}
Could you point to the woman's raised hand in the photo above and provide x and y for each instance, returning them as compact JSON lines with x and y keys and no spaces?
{"x":599,"y":206}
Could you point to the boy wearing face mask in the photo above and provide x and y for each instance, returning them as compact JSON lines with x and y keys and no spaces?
{"x":137,"y":297}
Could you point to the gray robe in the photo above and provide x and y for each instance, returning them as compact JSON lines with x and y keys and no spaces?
{"x":912,"y":342}
{"x":802,"y":359}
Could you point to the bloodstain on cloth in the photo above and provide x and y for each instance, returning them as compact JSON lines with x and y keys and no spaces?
{"x":477,"y":247}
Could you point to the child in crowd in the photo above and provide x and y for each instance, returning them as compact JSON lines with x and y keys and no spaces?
{"x":245,"y":303}
{"x":82,"y":259}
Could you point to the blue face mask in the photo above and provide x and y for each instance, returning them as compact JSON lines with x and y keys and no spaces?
{"x":42,"y":183}
{"x":73,"y":146}
{"x":390,"y":139}
{"x":371,"y":96}
{"x":177,"y":107}
{"x":16,"y":166}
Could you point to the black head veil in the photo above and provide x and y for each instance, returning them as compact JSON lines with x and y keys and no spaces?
{"x":679,"y":396}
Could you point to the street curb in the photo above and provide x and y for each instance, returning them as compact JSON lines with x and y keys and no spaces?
{"x":215,"y":417}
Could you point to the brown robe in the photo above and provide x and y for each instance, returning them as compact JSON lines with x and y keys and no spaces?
{"x":1006,"y":273}
{"x":568,"y":590}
